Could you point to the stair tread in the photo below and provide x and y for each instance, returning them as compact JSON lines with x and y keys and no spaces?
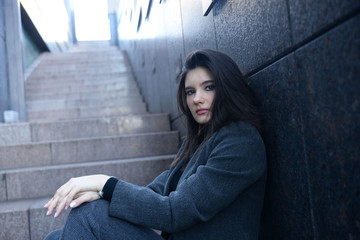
{"x":88,"y":149}
{"x":22,"y":205}
{"x":140,"y":171}
{"x":88,"y":164}
{"x":94,"y":138}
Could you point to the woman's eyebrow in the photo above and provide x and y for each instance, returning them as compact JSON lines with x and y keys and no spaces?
{"x":207,"y":81}
{"x":203,"y":83}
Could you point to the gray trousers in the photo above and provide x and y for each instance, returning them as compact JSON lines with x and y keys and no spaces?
{"x":91,"y":221}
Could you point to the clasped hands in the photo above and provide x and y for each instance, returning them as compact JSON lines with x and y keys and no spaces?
{"x":75,"y":192}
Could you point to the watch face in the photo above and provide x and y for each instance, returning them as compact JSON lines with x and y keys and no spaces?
{"x":101,"y":194}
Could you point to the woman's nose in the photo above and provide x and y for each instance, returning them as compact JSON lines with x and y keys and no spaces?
{"x":198,"y":98}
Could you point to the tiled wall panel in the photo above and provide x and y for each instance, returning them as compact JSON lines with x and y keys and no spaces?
{"x":252,"y":32}
{"x":287,"y":197}
{"x":330,"y":97}
{"x":309,"y":17}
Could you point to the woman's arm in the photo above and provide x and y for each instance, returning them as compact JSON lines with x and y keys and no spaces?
{"x":86,"y":189}
{"x":75,"y":192}
{"x":236,"y":161}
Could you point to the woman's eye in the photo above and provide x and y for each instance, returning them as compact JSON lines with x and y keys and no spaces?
{"x":190,"y":92}
{"x":210,"y":87}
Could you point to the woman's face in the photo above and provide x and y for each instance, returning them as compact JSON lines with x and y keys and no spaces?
{"x":200,"y":94}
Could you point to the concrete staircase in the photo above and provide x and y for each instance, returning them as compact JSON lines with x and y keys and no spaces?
{"x":86,"y":116}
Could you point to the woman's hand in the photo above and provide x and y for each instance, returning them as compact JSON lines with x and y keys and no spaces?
{"x":75,"y":192}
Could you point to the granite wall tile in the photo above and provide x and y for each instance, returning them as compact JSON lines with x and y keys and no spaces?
{"x":176,"y":52}
{"x":286,"y":207}
{"x":252,"y":31}
{"x":330,"y":87}
{"x":198,"y":30}
{"x":308,"y":16}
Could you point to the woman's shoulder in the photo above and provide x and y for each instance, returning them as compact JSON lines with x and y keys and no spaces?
{"x":239,"y":127}
{"x":240,"y":131}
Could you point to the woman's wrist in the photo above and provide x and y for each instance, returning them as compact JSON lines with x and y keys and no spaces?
{"x":107,"y":191}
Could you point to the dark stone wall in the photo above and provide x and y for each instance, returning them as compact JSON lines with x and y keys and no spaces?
{"x":302,"y":60}
{"x":4,"y":104}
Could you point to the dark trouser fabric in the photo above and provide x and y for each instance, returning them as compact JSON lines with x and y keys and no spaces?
{"x":91,"y":221}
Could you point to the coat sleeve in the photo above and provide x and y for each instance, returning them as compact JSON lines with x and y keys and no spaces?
{"x":236,"y":161}
{"x":159,"y":182}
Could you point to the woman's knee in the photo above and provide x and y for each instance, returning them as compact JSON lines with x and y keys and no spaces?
{"x":94,"y":218}
{"x":90,"y":211}
{"x":55,"y":235}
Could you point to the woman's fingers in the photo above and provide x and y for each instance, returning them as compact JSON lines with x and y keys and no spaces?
{"x":61,"y":205}
{"x":59,"y":199}
{"x":83,"y":197}
{"x":48,"y":203}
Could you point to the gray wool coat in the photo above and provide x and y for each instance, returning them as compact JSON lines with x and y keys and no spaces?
{"x":218,"y":196}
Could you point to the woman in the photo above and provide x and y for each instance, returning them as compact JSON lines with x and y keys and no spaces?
{"x":213,"y":190}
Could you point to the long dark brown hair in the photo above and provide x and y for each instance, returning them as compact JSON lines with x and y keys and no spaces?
{"x":233,"y":99}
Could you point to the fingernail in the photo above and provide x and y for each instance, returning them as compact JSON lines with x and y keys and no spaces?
{"x":66,"y":207}
{"x":72,"y":204}
{"x":55,"y":215}
{"x":47,"y":213}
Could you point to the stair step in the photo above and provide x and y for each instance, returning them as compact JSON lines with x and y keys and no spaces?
{"x":23,"y":133}
{"x":85,"y":95}
{"x":83,"y":58}
{"x":26,"y":219}
{"x":73,"y":88}
{"x":126,"y":78}
{"x":14,"y":220}
{"x":87,"y":150}
{"x":39,"y":182}
{"x":115,"y":73}
{"x":82,"y":84}
{"x":74,"y":70}
{"x":17,"y":133}
{"x":106,"y":53}
{"x":108,"y":65}
{"x":90,"y":112}
{"x":89,"y":128}
{"x":83,"y":103}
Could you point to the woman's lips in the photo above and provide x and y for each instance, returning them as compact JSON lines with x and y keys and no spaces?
{"x":201,"y":111}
